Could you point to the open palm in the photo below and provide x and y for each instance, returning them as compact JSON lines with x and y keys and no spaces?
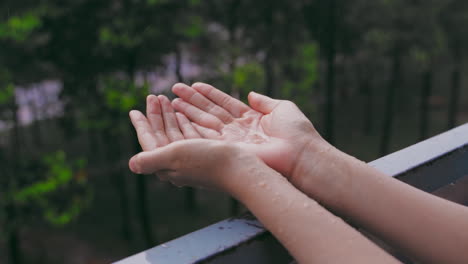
{"x":276,"y":130}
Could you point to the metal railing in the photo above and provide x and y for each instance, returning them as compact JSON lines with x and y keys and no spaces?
{"x":438,"y":165}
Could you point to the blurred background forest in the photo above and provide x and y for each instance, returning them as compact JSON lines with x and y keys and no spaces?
{"x":374,"y":76}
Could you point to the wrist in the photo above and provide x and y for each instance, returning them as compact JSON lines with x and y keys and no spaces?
{"x":309,"y":159}
{"x":320,"y":172}
{"x":236,"y":173}
{"x":249,"y":175}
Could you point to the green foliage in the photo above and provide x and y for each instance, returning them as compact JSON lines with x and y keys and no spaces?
{"x":61,"y":176}
{"x":379,"y":38}
{"x":7,"y":89}
{"x":303,"y":74}
{"x":18,"y":28}
{"x":193,"y":28}
{"x":60,"y":217}
{"x":123,"y":95}
{"x":119,"y":96}
{"x":121,"y":35}
{"x":422,"y":57}
{"x":249,"y":76}
{"x":7,"y":93}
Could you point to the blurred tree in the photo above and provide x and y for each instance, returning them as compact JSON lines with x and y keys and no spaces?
{"x":45,"y":195}
{"x":301,"y":75}
{"x":322,"y":18}
{"x":428,"y":44}
{"x":397,"y":31}
{"x":121,"y":96}
{"x":363,"y":42}
{"x":102,"y":51}
{"x":10,"y":167}
{"x":15,"y":31}
{"x":454,"y":19}
{"x":189,"y":29}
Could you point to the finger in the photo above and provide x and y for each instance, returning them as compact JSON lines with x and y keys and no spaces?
{"x":148,"y":162}
{"x":206,"y":132}
{"x":262,"y":103}
{"x":232,"y":105}
{"x":186,"y":127}
{"x":170,"y":121}
{"x":196,"y":115}
{"x":192,"y":96}
{"x":155,"y":118}
{"x":143,"y":129}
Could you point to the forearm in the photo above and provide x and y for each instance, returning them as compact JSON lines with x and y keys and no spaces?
{"x":309,"y":232}
{"x":422,"y":225}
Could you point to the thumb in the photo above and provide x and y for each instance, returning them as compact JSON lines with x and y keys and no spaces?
{"x":262,"y":103}
{"x":149,"y":162}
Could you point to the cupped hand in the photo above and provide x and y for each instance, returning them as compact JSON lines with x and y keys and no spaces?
{"x":203,"y":163}
{"x":161,"y":125}
{"x":276,"y":130}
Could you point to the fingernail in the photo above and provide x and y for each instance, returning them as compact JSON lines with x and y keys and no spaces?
{"x":134,"y":166}
{"x":162,"y":97}
{"x":133,"y":113}
{"x":151,"y":98}
{"x":177,"y":85}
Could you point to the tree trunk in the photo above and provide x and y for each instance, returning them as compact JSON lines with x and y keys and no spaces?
{"x":120,"y":184}
{"x":11,"y":221}
{"x":330,"y":50}
{"x":426,"y":89}
{"x":454,"y":95}
{"x":268,"y":62}
{"x":142,"y":199}
{"x":37,"y":131}
{"x":269,"y":74}
{"x":13,"y":242}
{"x":389,"y":104}
{"x":368,"y":107}
{"x":178,"y":64}
{"x":114,"y":155}
{"x":143,"y":211}
{"x":142,"y":204}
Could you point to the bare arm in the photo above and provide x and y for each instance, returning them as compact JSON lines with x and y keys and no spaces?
{"x":308,"y":231}
{"x":430,"y":229}
{"x":423,"y":226}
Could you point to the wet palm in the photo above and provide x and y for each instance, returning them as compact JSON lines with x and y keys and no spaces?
{"x":275,"y":130}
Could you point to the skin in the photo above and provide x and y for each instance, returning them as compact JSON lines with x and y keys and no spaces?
{"x":227,"y":166}
{"x":423,"y":226}
{"x":161,"y":126}
{"x":273,"y":131}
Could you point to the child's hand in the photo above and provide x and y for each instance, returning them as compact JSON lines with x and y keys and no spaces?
{"x":161,"y":125}
{"x":203,"y":163}
{"x":276,"y":130}
{"x":195,"y":162}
